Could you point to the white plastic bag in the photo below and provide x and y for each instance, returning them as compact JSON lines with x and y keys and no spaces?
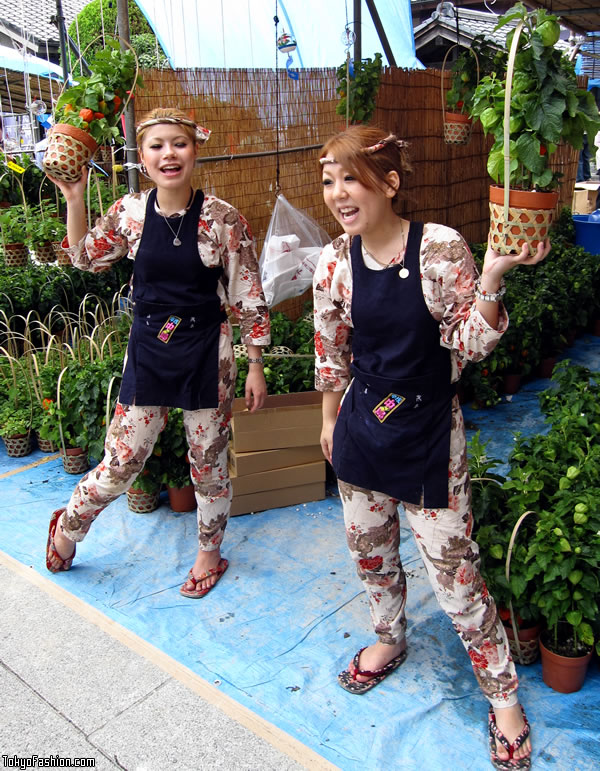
{"x":290,"y":253}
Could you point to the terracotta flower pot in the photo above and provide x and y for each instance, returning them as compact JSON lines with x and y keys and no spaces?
{"x":182,"y":498}
{"x":15,"y":255}
{"x":457,"y":128}
{"x":529,"y":218}
{"x":564,"y":674}
{"x":18,"y":446}
{"x":69,"y":148}
{"x":75,"y":461}
{"x":546,"y":366}
{"x":142,"y":502}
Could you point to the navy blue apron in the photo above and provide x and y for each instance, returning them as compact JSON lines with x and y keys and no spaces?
{"x":392,"y":434}
{"x":173,"y":350}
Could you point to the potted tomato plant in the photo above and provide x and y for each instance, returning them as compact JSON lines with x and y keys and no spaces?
{"x":174,"y":463}
{"x":88,"y":113}
{"x":530,"y":109}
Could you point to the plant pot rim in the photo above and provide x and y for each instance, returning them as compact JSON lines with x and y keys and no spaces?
{"x":589,"y":650}
{"x":528,"y":199}
{"x":73,"y":131}
{"x":457,"y":117}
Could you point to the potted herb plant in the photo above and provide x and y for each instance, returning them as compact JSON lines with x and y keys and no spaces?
{"x":530,"y":109}
{"x":44,"y":227}
{"x":88,"y":113}
{"x":15,"y":408}
{"x":144,"y":494}
{"x":14,"y":229}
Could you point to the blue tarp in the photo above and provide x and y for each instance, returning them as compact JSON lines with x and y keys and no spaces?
{"x":289,"y":614}
{"x":241,"y":33}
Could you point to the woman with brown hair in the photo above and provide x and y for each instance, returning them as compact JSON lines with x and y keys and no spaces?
{"x":193,"y":257}
{"x":399,"y":310}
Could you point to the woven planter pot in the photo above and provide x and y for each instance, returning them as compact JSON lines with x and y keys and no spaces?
{"x":18,"y":446}
{"x":44,"y":252}
{"x":46,"y":445}
{"x":69,"y":148}
{"x":529,"y":644}
{"x":15,"y":255}
{"x":529,"y":219}
{"x":142,"y":502}
{"x":457,"y":128}
{"x":62,"y":258}
{"x":75,"y":461}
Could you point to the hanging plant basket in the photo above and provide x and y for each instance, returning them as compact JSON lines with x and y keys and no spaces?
{"x":457,"y":125}
{"x":44,"y":253}
{"x":518,"y":217}
{"x":142,"y":502}
{"x":15,"y":255}
{"x":18,"y":446}
{"x":69,"y":148}
{"x":457,"y":128}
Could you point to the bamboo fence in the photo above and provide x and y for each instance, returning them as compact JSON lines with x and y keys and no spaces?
{"x":244,"y":109}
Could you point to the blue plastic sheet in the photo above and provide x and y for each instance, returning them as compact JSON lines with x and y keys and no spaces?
{"x":290,"y":613}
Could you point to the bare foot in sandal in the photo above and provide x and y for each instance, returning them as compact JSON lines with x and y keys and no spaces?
{"x":375,"y":657}
{"x":511,"y":723}
{"x":207,"y":570}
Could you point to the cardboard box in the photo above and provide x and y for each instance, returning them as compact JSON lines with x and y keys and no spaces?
{"x":275,"y":479}
{"x":242,"y":463}
{"x":273,"y":499}
{"x":584,"y":197}
{"x":286,"y":420}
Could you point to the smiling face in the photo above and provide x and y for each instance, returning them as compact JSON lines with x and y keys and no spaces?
{"x":360,"y":210}
{"x":169,"y":154}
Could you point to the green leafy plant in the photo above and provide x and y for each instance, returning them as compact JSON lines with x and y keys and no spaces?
{"x":148,"y":480}
{"x":13,"y":225}
{"x":547,"y":106}
{"x":470,"y":65}
{"x":95,"y":104}
{"x":174,"y":465}
{"x":44,"y":225}
{"x":361,"y":91}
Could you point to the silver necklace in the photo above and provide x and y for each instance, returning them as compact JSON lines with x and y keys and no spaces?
{"x":176,"y":239}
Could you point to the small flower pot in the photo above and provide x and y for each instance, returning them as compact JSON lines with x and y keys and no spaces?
{"x":457,"y":128}
{"x":44,"y":252}
{"x":62,"y":258}
{"x":18,"y":446}
{"x":69,"y":148}
{"x":15,"y":255}
{"x":75,"y":461}
{"x":564,"y":674}
{"x":46,"y":445}
{"x":511,"y":383}
{"x":546,"y":366}
{"x":182,"y":498}
{"x":529,"y":644}
{"x":142,"y":502}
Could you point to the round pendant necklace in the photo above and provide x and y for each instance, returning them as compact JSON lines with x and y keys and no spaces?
{"x":176,"y":239}
{"x":399,"y":259}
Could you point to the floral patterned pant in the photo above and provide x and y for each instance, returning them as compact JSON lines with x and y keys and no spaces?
{"x":129,"y":441}
{"x":451,"y":559}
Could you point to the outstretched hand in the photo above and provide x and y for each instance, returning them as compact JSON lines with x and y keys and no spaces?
{"x":496,"y":265}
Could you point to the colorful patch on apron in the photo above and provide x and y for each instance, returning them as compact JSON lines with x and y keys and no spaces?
{"x":168,"y":328}
{"x":386,"y":406}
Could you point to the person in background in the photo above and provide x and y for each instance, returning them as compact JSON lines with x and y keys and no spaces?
{"x":194,"y":256}
{"x":399,"y":310}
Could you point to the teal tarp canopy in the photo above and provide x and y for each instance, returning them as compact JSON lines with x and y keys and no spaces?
{"x":241,"y":33}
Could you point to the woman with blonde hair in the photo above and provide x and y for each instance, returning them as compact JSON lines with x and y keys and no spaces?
{"x":399,"y":310}
{"x":193,"y":256}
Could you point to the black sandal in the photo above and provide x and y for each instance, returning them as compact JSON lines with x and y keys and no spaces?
{"x":349,"y":682}
{"x":511,"y":763}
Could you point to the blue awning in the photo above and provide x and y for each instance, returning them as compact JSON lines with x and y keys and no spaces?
{"x":241,"y":33}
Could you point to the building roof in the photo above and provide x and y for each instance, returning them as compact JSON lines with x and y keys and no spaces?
{"x":29,"y":24}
